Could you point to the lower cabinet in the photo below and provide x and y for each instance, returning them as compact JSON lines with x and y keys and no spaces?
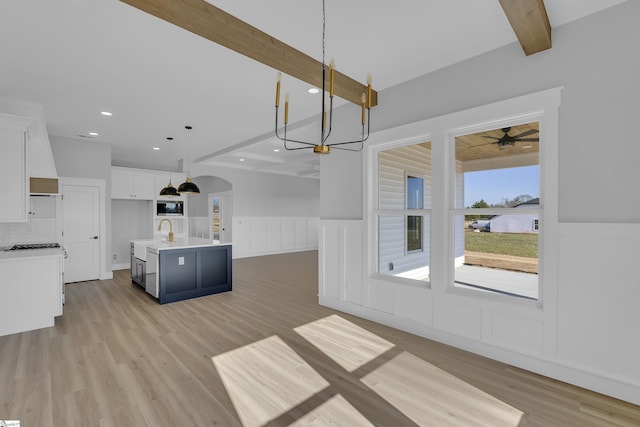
{"x":138,"y":273}
{"x":31,"y":293}
{"x":138,"y":267}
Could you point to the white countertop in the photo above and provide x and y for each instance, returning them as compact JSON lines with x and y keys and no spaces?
{"x":30,"y":253}
{"x":183,"y":243}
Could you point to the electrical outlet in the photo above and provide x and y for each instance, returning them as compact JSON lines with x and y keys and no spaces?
{"x":115,"y":257}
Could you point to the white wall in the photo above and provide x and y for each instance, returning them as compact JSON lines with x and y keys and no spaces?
{"x":586,"y":331}
{"x":130,"y":219}
{"x":264,"y":194}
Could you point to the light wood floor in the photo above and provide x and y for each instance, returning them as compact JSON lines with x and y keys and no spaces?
{"x":264,"y":354}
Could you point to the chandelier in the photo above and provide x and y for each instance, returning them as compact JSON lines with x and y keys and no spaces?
{"x":323,"y":147}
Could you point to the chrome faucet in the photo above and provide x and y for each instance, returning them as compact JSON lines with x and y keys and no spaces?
{"x":170,"y":236}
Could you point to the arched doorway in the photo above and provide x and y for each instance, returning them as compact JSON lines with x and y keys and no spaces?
{"x":211,"y":211}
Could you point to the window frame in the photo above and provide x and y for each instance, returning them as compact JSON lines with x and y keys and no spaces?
{"x":542,"y":106}
{"x":408,"y":175}
{"x":491,"y":163}
{"x":372,"y":154}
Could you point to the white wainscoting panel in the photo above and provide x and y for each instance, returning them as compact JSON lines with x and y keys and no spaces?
{"x":459,"y":319}
{"x":584,"y":332}
{"x":199,"y":227}
{"x":414,"y":303}
{"x":517,"y":333}
{"x":254,"y":236}
{"x":599,"y":299}
{"x":340,"y":269}
{"x":330,"y":262}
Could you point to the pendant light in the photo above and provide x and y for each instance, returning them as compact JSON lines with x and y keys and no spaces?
{"x":169,"y":190}
{"x":188,"y":187}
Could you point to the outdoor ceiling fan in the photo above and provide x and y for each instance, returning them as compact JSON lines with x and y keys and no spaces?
{"x":510,"y":140}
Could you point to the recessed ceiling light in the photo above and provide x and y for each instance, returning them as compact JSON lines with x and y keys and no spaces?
{"x":314,"y":90}
{"x":276,"y":150}
{"x":106,"y":113}
{"x":242,"y":160}
{"x":93,"y":133}
{"x":156,"y":148}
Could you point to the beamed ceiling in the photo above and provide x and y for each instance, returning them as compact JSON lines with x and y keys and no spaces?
{"x":76,"y":58}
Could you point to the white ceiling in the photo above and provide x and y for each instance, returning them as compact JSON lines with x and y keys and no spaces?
{"x":77,"y":58}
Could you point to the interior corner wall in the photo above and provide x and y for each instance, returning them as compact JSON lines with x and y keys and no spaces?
{"x":86,"y":159}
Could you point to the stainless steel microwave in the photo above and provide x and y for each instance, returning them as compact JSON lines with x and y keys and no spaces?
{"x":170,"y":208}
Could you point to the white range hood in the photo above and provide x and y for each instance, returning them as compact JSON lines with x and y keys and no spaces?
{"x":41,"y":164}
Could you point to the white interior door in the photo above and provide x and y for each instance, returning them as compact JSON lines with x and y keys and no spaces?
{"x":81,"y":232}
{"x":226,"y":216}
{"x":220,"y":215}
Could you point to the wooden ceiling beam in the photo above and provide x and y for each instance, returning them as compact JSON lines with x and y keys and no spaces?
{"x":212,"y":23}
{"x":530,"y":22}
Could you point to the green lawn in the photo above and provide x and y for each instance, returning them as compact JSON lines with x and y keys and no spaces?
{"x":524,"y":245}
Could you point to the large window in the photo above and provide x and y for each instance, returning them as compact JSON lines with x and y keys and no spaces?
{"x":487,"y":228}
{"x":403,"y":215}
{"x":497,"y":210}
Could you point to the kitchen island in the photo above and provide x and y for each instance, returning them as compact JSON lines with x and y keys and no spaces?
{"x":187,"y":268}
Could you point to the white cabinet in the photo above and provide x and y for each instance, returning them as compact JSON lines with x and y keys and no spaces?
{"x":13,"y":168}
{"x":132,"y":186}
{"x":31,"y":293}
{"x":42,"y":207}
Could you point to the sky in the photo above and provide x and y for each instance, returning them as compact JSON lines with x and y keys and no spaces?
{"x":497,"y":184}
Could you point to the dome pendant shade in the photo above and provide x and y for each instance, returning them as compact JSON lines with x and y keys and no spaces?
{"x":188,"y":187}
{"x":169,"y":190}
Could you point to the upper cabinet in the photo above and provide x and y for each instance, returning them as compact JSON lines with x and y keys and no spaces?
{"x":128,"y":185}
{"x":14,"y":168}
{"x":142,"y":184}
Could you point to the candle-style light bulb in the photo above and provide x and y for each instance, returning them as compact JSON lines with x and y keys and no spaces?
{"x":286,"y":108}
{"x":368,"y":90}
{"x":278,"y":90}
{"x":364,"y":99}
{"x":332,"y":71}
{"x":324,"y":118}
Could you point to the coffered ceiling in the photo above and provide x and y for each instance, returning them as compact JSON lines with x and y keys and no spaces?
{"x":77,"y":58}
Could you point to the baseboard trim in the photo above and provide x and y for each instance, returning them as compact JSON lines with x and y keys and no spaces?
{"x":237,"y":255}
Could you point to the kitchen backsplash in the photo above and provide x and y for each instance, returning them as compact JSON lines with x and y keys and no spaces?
{"x":37,"y":230}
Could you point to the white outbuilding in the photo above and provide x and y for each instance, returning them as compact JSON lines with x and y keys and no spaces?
{"x":527,"y":223}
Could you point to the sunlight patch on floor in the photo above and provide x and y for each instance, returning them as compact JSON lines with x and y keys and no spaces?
{"x":334,"y":412}
{"x":347,"y":344}
{"x":430,"y":396}
{"x":265,"y":379}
